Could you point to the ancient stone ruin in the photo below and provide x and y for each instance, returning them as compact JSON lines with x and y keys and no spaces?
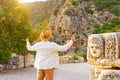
{"x":76,"y":21}
{"x":69,"y":59}
{"x":104,"y":52}
{"x":18,"y":61}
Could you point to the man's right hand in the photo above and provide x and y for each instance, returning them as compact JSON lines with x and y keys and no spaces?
{"x":27,"y":39}
{"x":73,"y":38}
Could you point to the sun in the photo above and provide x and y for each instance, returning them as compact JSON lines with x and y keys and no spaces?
{"x":24,"y":1}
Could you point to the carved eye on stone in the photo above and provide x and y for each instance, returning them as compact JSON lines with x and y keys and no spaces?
{"x":94,"y":51}
{"x":97,"y":72}
{"x":111,"y":76}
{"x":91,"y":46}
{"x":105,"y":76}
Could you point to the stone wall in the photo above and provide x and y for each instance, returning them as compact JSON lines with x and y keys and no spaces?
{"x":18,"y":61}
{"x":69,"y":59}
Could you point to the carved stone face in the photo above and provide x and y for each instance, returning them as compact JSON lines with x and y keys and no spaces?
{"x":95,"y":50}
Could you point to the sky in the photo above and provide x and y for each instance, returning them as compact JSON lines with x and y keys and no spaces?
{"x":23,"y":1}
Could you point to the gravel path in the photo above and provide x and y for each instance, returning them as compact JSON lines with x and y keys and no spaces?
{"x":79,"y":71}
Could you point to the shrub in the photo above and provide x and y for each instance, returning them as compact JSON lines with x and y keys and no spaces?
{"x":69,"y":12}
{"x":84,"y":55}
{"x":76,"y":49}
{"x":88,"y":28}
{"x":58,"y":42}
{"x":75,"y":57}
{"x":4,"y":57}
{"x":115,"y":21}
{"x":108,"y":27}
{"x":75,"y":2}
{"x":61,"y":53}
{"x":117,"y":29}
{"x":88,"y":10}
{"x":55,"y":11}
{"x":103,"y":4}
{"x":96,"y":26}
{"x":65,"y":4}
{"x":115,"y":11}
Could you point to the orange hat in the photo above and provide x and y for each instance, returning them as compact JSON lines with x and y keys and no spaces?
{"x":45,"y":35}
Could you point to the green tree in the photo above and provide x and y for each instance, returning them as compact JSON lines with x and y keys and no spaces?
{"x":112,"y":26}
{"x":35,"y":32}
{"x":14,"y":28}
{"x":109,"y":5}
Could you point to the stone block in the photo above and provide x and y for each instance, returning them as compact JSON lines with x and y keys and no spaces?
{"x":104,"y":50}
{"x":104,"y":74}
{"x":1,"y":67}
{"x":29,"y":60}
{"x":81,"y":59}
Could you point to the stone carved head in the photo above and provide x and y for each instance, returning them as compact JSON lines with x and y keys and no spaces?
{"x":95,"y":46}
{"x":95,"y":50}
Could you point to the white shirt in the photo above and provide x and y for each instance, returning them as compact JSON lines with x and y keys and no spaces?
{"x":47,"y":53}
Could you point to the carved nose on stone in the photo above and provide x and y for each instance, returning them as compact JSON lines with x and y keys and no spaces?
{"x":94,"y":51}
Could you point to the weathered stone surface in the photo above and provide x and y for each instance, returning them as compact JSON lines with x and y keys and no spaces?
{"x":69,"y":59}
{"x":29,"y":60}
{"x":104,"y":50}
{"x":95,"y":48}
{"x":63,"y":59}
{"x":1,"y":67}
{"x":74,"y":23}
{"x":75,"y":20}
{"x":81,"y":59}
{"x":19,"y":61}
{"x":104,"y":74}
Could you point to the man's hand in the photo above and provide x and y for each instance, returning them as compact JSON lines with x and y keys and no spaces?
{"x":73,"y":38}
{"x":27,"y":39}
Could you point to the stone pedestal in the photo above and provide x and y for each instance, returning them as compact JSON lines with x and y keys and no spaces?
{"x":104,"y":51}
{"x":104,"y":74}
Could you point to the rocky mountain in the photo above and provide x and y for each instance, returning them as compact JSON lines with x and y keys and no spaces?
{"x":42,"y":10}
{"x":79,"y":18}
{"x":76,"y":17}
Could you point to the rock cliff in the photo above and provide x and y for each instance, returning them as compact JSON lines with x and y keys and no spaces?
{"x":76,"y":17}
{"x":75,"y":20}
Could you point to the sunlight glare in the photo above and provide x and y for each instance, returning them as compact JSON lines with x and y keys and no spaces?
{"x":24,"y":1}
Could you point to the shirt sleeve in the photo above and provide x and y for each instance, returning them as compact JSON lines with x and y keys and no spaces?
{"x":33,"y":47}
{"x":63,"y":47}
